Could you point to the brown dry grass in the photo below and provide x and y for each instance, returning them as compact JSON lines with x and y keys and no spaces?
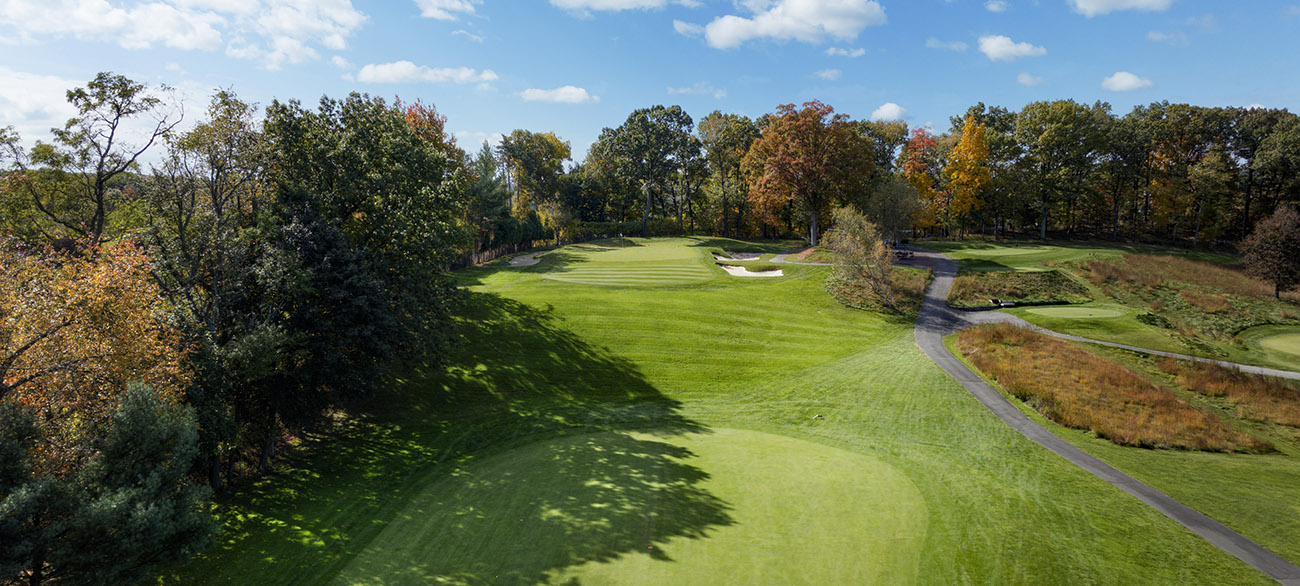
{"x":1207,"y":302}
{"x":909,"y":288}
{"x":1148,"y":271}
{"x":1082,"y":390}
{"x":1260,"y":398}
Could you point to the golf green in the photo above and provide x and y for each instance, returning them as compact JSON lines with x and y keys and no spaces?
{"x":648,"y":263}
{"x":1076,"y":312}
{"x":997,"y":252}
{"x":1285,"y":343}
{"x":727,"y":506}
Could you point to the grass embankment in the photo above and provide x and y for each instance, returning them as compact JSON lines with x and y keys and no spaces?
{"x":1079,"y":389}
{"x":908,"y":285}
{"x":1051,"y":286}
{"x":606,"y":432}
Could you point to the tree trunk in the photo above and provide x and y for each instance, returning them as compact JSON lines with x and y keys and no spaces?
{"x":38,"y":557}
{"x":214,"y":472}
{"x":1042,"y":223}
{"x":812,"y":230}
{"x":645,"y":213}
{"x":268,"y":452}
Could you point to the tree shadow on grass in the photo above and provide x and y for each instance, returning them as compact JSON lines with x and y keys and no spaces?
{"x":407,"y":489}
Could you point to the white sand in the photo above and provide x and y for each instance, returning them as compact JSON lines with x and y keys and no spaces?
{"x":527,"y":260}
{"x":744,"y":272}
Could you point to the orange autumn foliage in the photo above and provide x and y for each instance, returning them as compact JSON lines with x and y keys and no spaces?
{"x":74,"y":331}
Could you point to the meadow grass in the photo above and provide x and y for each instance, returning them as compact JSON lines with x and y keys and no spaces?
{"x":721,"y":430}
{"x":1079,"y":389}
{"x":1257,"y":397}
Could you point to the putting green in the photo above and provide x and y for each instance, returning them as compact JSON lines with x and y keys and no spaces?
{"x":1285,"y":343}
{"x":643,"y":263}
{"x":723,"y":507}
{"x":1076,"y":312}
{"x":996,"y":252}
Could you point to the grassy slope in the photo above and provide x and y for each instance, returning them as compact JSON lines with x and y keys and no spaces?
{"x":546,"y":360}
{"x":1257,"y":495}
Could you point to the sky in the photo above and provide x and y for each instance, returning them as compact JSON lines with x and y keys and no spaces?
{"x":574,"y":67}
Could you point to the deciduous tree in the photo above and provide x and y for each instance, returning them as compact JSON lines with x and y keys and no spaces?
{"x":811,"y":157}
{"x":1272,"y":250}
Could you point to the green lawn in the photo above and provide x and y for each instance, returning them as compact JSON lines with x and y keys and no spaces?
{"x":1036,"y":255}
{"x":657,"y":426}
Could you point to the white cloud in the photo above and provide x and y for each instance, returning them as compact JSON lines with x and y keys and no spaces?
{"x":1002,"y":48}
{"x":1124,"y":81}
{"x":445,"y":9}
{"x":996,"y":6}
{"x":564,"y":95}
{"x":1168,"y":38}
{"x":888,"y":111}
{"x":274,"y":32}
{"x":472,"y":141}
{"x":407,"y":72}
{"x":1091,"y":8}
{"x":689,"y":29}
{"x":838,"y":52}
{"x":34,"y":103}
{"x":809,"y":21}
{"x":1026,"y":79}
{"x":584,"y":7}
{"x":701,"y":88}
{"x":933,"y":43}
{"x":468,"y":35}
{"x":828,"y":74}
{"x":340,"y":62}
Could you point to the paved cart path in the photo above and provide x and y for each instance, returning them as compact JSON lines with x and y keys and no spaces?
{"x":937,"y":320}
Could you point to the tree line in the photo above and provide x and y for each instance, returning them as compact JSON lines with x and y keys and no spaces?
{"x":164,"y":326}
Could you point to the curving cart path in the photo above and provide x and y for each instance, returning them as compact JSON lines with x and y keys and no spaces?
{"x":937,"y":320}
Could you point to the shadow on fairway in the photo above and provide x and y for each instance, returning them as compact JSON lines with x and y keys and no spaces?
{"x":363,"y":497}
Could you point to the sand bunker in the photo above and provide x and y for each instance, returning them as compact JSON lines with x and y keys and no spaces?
{"x":1076,"y":312}
{"x":744,"y":272}
{"x":527,"y":260}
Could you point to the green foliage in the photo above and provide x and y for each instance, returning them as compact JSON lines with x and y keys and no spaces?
{"x":1054,"y":286}
{"x":862,"y":259}
{"x":129,"y":509}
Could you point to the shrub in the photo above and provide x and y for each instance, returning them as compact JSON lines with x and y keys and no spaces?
{"x":976,"y":289}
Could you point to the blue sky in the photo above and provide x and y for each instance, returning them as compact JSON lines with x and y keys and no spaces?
{"x":575,"y":66}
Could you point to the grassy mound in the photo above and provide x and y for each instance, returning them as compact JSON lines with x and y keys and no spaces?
{"x":1082,"y":390}
{"x":977,"y":289}
{"x":909,"y":288}
{"x":553,"y":512}
{"x":1077,"y":312}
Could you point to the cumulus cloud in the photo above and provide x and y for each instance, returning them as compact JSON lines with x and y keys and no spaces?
{"x":445,"y":9}
{"x":828,"y":74}
{"x":34,"y":103}
{"x":1124,"y":81}
{"x":471,"y":140}
{"x":340,"y":62}
{"x":585,"y":7}
{"x":933,"y":43}
{"x":274,"y":32}
{"x":1026,"y":79}
{"x":1091,"y":8}
{"x":563,"y":95}
{"x":809,"y":21}
{"x":701,"y":88}
{"x":1002,"y":48}
{"x":689,"y":29}
{"x":838,"y":52}
{"x":888,"y":111}
{"x":407,"y":72}
{"x":996,"y":6}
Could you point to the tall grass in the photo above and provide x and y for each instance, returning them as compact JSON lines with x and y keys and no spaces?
{"x":1148,"y":271}
{"x":1079,"y":389}
{"x":1257,"y":397}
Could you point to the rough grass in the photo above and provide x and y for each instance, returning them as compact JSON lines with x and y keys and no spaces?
{"x":909,"y":288}
{"x":1257,"y":397}
{"x":1079,"y":389}
{"x":976,"y":289}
